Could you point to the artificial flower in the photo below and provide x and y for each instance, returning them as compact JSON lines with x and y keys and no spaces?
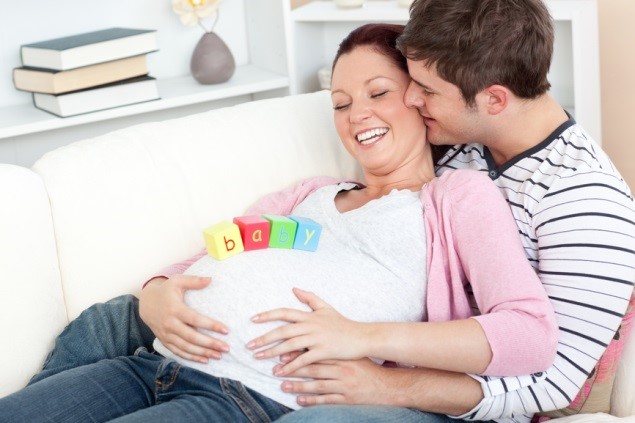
{"x":191,"y":12}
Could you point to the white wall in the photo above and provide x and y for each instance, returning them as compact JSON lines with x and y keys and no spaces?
{"x":23,"y":22}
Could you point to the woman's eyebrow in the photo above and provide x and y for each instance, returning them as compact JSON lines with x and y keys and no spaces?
{"x":367,"y":82}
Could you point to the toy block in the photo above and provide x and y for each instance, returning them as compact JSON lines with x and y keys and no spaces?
{"x":223,"y":240}
{"x":307,"y":236}
{"x":254,"y":230}
{"x":282,"y":231}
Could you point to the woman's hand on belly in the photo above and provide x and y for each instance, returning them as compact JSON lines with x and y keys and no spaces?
{"x":323,"y":333}
{"x":162,"y":308}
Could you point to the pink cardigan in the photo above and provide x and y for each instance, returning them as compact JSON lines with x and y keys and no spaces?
{"x":472,"y":239}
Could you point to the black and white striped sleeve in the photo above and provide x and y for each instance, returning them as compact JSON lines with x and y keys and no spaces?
{"x":585,"y":232}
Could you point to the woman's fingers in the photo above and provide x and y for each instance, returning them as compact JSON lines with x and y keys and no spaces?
{"x":289,"y":315}
{"x":176,"y":325}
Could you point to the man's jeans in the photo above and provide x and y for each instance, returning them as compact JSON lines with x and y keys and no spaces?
{"x":141,"y":388}
{"x":114,"y":329}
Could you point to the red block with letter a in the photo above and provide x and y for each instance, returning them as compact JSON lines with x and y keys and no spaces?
{"x":254,"y":231}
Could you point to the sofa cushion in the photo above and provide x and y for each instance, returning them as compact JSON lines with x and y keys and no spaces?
{"x":32,"y":310}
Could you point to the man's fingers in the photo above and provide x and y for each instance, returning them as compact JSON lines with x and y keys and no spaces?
{"x":322,"y":370}
{"x":308,"y":401}
{"x":312,"y":387}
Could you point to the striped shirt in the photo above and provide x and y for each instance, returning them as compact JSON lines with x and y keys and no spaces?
{"x":576,"y":220}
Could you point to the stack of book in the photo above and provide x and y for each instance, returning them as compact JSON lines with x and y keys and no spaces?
{"x":88,"y":72}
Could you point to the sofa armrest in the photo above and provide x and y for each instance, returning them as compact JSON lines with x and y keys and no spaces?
{"x":31,"y":303}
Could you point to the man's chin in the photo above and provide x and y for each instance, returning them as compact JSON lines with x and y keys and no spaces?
{"x":441,"y":141}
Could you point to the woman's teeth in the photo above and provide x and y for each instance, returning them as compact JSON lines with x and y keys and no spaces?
{"x":371,"y":135}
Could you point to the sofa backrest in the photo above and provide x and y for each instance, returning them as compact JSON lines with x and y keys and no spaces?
{"x":32,"y":310}
{"x":128,"y":203}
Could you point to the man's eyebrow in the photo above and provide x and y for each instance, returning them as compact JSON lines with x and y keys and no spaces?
{"x":421,"y":84}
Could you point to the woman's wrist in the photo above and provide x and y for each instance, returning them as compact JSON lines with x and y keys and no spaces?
{"x":156,"y":281}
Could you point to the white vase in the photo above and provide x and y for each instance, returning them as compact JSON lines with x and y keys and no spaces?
{"x":212,"y":61}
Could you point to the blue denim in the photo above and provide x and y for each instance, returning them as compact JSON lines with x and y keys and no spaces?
{"x":141,"y":388}
{"x":362,"y":413}
{"x":104,"y":330}
{"x":114,"y":329}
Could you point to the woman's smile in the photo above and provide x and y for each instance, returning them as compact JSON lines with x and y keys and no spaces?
{"x":370,"y":136}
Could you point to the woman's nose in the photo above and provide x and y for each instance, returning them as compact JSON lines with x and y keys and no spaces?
{"x":360,"y":113}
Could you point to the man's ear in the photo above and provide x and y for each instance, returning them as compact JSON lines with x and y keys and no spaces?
{"x":496,"y":98}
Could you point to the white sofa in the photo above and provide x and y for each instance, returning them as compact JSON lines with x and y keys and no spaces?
{"x":94,"y":219}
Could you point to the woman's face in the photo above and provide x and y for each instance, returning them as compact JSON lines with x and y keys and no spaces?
{"x":374,"y":124}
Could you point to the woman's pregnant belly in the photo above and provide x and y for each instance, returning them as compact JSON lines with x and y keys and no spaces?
{"x":359,"y":287}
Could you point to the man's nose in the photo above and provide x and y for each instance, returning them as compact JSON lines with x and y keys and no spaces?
{"x":413,"y":97}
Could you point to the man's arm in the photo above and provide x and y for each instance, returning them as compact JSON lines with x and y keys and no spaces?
{"x":585,"y":231}
{"x":364,"y":382}
{"x":586,"y":246}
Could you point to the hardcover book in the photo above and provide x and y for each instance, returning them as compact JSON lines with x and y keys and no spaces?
{"x":57,"y":82}
{"x":89,"y":48}
{"x":121,"y":93}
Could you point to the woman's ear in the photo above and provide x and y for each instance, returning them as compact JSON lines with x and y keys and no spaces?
{"x":496,"y":98}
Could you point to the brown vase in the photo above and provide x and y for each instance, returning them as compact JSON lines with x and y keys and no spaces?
{"x":212,"y":62}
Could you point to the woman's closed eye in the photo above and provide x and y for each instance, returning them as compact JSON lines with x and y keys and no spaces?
{"x":378,"y":94}
{"x":341,"y":106}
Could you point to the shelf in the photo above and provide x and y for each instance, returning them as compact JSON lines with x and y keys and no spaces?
{"x":175,"y":92}
{"x":326,"y":11}
{"x":390,"y":11}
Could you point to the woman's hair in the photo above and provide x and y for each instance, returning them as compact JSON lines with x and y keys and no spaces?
{"x":478,"y":43}
{"x":383,"y":39}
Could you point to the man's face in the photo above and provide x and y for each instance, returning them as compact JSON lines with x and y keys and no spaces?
{"x":446,"y":115}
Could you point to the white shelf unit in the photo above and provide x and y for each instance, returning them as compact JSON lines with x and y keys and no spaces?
{"x":175,"y":92}
{"x":27,"y":132}
{"x":317,"y":28}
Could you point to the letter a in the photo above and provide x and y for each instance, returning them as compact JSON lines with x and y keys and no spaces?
{"x":257,"y":236}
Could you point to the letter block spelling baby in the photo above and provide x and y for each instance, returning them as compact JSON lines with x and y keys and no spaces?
{"x":254,"y":231}
{"x":223,"y":240}
{"x":246,"y":233}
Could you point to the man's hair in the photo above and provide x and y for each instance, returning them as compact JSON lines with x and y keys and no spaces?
{"x":383,"y":39}
{"x":477,"y":43}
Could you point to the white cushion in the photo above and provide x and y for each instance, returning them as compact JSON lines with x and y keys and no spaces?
{"x":32,"y":308}
{"x":131,"y":202}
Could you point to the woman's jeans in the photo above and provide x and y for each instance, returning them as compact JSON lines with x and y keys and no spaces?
{"x":144,"y":387}
{"x":114,"y":330}
{"x":105,"y":330}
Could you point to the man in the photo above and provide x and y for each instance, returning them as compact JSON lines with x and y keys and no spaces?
{"x":479,"y":80}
